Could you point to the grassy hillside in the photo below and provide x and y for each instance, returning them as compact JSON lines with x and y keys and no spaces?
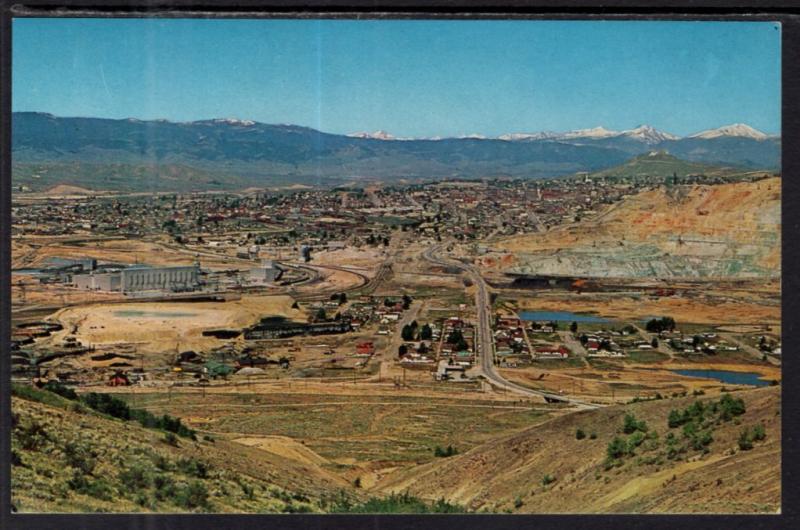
{"x":554,"y":468}
{"x":69,"y":458}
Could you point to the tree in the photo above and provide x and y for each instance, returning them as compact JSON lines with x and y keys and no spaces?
{"x":654,"y":342}
{"x":574,"y":327}
{"x":406,"y":301}
{"x":342,"y":298}
{"x":321,"y":314}
{"x":657,"y":325}
{"x":407,"y":333}
{"x":402,"y":350}
{"x":426,"y":333}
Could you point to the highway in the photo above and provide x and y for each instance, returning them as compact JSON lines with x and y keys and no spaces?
{"x":485,"y":341}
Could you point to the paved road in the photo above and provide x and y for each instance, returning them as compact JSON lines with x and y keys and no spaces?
{"x":485,"y":342}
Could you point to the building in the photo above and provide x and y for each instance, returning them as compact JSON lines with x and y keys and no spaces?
{"x":269,"y":271}
{"x":134,"y":279}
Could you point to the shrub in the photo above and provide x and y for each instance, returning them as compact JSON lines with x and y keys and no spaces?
{"x":633,"y":442}
{"x":107,"y":404}
{"x":745,"y":440}
{"x":616,"y":448}
{"x":192,"y":495}
{"x":731,"y":407}
{"x":80,"y":457}
{"x":548,"y":479}
{"x":444,"y":453}
{"x":193,"y":467}
{"x":33,"y":436}
{"x":593,"y":436}
{"x":630,"y":424}
{"x":135,"y":477}
{"x":171,"y":439}
{"x":759,"y":433}
{"x":61,"y":390}
{"x":98,"y":488}
{"x":518,"y":502}
{"x":164,"y":487}
{"x":579,"y":434}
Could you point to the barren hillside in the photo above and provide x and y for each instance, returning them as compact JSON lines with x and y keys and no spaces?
{"x":548,"y":469}
{"x":728,"y":230}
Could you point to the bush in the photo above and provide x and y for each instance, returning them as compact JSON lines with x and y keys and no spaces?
{"x":548,"y":479}
{"x":616,"y":448}
{"x":593,"y":436}
{"x":758,"y":433}
{"x":171,"y":439}
{"x":633,"y":442}
{"x":80,"y":457}
{"x":107,"y":404}
{"x":164,"y":487}
{"x":731,"y":407}
{"x":99,"y":489}
{"x":135,"y":478}
{"x":193,"y":467}
{"x":444,"y":453}
{"x":61,"y":390}
{"x":630,"y":424}
{"x":579,"y":434}
{"x":192,"y":495}
{"x":745,"y":440}
{"x":33,"y":436}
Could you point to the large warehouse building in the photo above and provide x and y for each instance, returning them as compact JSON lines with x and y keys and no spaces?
{"x":168,"y":279}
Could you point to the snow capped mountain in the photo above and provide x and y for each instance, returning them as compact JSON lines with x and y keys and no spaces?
{"x":647,"y":134}
{"x":736,"y":129}
{"x":544,"y":135}
{"x":596,"y":132}
{"x":377,"y":135}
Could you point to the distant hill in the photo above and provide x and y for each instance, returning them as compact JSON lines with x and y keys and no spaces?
{"x":664,"y":165}
{"x":135,"y":155}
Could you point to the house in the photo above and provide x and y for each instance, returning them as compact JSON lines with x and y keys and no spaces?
{"x":119,"y":379}
{"x":365,"y":348}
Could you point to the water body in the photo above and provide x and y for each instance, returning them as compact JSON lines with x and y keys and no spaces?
{"x":560,"y":316}
{"x":725,"y":376}
{"x":126,"y":313}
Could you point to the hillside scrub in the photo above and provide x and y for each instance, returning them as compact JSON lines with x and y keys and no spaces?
{"x":104,"y":404}
{"x":71,"y":462}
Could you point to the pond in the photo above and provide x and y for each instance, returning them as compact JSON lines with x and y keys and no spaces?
{"x":560,"y":316}
{"x":127,"y":313}
{"x":725,"y":376}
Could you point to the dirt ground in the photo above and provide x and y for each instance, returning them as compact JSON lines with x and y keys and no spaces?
{"x":159,"y":327}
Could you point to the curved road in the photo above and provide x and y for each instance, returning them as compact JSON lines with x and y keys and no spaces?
{"x":485,"y":345}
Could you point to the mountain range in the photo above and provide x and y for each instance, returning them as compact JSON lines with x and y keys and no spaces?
{"x":159,"y":155}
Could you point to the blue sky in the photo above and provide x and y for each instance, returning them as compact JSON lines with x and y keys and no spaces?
{"x":411,"y":78}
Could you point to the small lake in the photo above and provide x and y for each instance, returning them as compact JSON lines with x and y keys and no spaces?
{"x":127,"y":313}
{"x":725,"y":376}
{"x":560,"y":316}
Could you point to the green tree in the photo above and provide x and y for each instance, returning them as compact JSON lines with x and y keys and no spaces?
{"x":426,"y":333}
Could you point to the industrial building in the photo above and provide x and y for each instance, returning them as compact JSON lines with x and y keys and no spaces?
{"x":268,"y":272}
{"x":140,"y":278}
